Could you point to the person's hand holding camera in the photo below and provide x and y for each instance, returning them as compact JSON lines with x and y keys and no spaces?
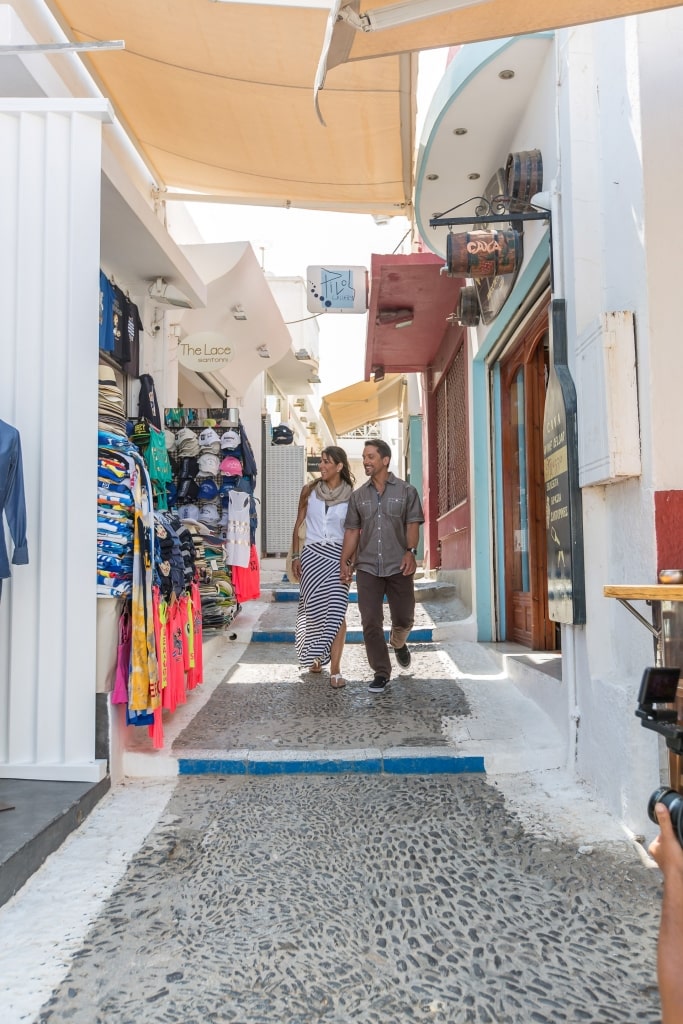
{"x":667,"y":851}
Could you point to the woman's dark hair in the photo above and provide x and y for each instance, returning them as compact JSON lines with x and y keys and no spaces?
{"x":339,"y":455}
{"x":381,"y":446}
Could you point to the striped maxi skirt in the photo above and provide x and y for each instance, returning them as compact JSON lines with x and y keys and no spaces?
{"x":323,"y":600}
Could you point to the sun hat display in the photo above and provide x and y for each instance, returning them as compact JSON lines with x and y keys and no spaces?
{"x":230,"y":439}
{"x":231,"y":466}
{"x":207,"y":491}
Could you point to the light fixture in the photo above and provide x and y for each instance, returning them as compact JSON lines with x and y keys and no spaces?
{"x":460,"y":131}
{"x":432,"y":177}
{"x":395,"y":317}
{"x":474,"y":175}
{"x":263,"y":351}
{"x":163,"y":293}
{"x":314,"y":379}
{"x":506,"y":75}
{"x":238,"y":312}
{"x":302,"y":353}
{"x":402,"y":13}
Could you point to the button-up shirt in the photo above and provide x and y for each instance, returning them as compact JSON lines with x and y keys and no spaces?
{"x":382,"y":520}
{"x":12,"y":501}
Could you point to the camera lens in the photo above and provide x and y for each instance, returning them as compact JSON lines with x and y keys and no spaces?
{"x":673,"y":801}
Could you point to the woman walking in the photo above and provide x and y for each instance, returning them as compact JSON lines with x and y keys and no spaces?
{"x":323,"y":597}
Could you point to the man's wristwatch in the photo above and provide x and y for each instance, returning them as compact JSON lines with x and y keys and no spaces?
{"x":413,"y":551}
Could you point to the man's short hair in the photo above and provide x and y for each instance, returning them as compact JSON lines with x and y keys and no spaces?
{"x":381,"y":446}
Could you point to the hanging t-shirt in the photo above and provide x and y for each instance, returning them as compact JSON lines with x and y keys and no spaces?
{"x":237,"y":543}
{"x":106,"y":314}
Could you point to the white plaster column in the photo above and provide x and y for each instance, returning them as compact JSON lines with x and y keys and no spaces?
{"x":49,"y":263}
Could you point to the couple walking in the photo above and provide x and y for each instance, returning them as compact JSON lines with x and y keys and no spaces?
{"x":375,"y":530}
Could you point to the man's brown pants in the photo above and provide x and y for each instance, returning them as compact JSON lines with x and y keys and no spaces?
{"x":400,"y":594}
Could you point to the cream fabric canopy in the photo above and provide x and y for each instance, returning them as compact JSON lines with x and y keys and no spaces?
{"x":487,"y":19}
{"x":219,"y":97}
{"x":361,"y":403}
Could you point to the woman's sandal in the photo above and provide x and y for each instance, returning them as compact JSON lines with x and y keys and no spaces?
{"x":317,"y":666}
{"x":337,"y":681}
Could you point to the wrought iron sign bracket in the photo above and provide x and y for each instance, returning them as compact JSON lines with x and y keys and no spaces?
{"x":447,"y":222}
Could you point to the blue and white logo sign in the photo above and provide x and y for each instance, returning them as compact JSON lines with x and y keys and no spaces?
{"x":337,"y":289}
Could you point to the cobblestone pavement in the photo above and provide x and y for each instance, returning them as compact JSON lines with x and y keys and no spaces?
{"x":379,"y":899}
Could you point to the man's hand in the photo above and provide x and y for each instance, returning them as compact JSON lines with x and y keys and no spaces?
{"x":346,"y":571}
{"x":408,"y":563}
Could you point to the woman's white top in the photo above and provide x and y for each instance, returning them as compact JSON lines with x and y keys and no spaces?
{"x":324,"y":525}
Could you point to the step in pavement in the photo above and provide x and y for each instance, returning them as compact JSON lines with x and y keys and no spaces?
{"x":453,"y":711}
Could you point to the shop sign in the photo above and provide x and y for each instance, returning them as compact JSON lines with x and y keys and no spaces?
{"x":332,"y":289}
{"x":205,"y":351}
{"x":563,"y":511}
{"x":312,"y":463}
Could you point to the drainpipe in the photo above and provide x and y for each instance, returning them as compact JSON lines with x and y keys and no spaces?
{"x":568,"y":633}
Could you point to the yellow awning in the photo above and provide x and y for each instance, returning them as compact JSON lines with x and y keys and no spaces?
{"x":486,"y":19}
{"x":361,"y":403}
{"x":219,"y":99}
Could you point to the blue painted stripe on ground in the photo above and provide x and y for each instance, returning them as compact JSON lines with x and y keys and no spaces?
{"x":449,"y":764}
{"x":207,"y":766}
{"x":434,"y":765}
{"x":326,"y":766}
{"x":353,"y":636}
{"x":293,"y":595}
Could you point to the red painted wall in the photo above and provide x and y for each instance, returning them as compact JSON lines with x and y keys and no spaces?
{"x":669,"y":529}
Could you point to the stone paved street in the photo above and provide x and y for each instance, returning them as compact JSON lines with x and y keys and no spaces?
{"x":500,"y":898}
{"x":379,"y":899}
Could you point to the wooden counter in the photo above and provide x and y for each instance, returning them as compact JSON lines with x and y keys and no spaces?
{"x":645,"y":592}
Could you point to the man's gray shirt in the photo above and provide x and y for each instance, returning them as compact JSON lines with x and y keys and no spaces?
{"x":382,"y":520}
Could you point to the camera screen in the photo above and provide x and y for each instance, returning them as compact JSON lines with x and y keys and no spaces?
{"x":658,"y":686}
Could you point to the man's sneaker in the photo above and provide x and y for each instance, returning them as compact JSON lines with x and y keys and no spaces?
{"x":378,"y":684}
{"x":402,"y":656}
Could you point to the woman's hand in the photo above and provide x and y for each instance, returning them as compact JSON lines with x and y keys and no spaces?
{"x":296,"y":568}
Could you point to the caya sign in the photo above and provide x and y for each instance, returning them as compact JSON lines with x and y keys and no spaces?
{"x":205,"y":350}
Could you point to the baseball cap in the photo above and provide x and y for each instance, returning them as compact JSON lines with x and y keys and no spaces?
{"x":208,"y":437}
{"x":209,"y":464}
{"x":188,"y":490}
{"x":231,"y":466}
{"x":207,"y":491}
{"x":188,"y":511}
{"x":230,"y":439}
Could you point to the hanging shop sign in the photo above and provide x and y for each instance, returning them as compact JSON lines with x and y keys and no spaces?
{"x":341,"y":289}
{"x":563,"y":509}
{"x":205,"y":350}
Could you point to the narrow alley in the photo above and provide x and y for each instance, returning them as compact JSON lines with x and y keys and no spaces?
{"x":332,"y":856}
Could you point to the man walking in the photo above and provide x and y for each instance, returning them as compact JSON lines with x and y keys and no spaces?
{"x":382,"y":529}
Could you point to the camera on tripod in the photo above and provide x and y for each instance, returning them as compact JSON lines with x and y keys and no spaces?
{"x":657,"y":711}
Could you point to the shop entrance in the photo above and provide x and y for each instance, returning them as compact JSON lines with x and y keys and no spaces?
{"x":524,"y":377}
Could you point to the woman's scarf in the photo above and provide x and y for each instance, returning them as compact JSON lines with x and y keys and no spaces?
{"x":333,"y":495}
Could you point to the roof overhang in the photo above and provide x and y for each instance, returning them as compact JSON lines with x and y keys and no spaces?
{"x":240,"y":308}
{"x":447,"y":162}
{"x":411,"y":301}
{"x":361,"y":403}
{"x":218,"y":98}
{"x":469,"y":23}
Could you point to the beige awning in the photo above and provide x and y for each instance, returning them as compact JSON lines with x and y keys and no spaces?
{"x":475,"y":22}
{"x":219,"y":98}
{"x":361,"y":403}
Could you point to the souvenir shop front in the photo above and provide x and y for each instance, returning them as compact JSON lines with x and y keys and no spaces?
{"x":176,"y":532}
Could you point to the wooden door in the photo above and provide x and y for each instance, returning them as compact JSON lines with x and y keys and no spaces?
{"x":524,"y":379}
